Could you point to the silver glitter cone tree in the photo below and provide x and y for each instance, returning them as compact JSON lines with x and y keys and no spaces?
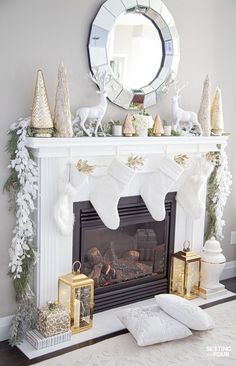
{"x":62,"y":114}
{"x":204,"y":114}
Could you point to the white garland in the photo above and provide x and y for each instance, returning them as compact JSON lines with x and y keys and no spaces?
{"x":224,"y":182}
{"x":27,"y":174}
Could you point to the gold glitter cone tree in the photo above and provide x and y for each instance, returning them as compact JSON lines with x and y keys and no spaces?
{"x":62,"y":114}
{"x":158,"y":129}
{"x":41,"y":119}
{"x":217,"y":121}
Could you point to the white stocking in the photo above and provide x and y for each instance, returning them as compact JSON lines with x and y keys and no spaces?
{"x":155,"y":188}
{"x":105,"y":196}
{"x":63,"y":211}
{"x":189,"y":195}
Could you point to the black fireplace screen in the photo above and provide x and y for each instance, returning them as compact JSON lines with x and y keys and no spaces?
{"x":133,"y":251}
{"x":130,"y":263}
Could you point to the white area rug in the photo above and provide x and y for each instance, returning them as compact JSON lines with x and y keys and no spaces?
{"x":210,"y":348}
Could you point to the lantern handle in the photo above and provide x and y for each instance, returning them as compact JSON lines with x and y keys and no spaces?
{"x":73,"y":267}
{"x":187,"y":246}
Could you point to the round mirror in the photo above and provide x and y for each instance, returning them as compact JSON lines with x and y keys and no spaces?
{"x":135,"y":43}
{"x":135,"y":50}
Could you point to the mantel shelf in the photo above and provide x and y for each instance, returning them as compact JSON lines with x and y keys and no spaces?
{"x":88,"y":146}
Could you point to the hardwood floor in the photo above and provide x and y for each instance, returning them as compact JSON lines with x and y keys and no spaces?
{"x":12,"y":356}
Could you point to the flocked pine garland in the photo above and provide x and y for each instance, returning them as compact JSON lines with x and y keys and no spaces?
{"x":219,"y":188}
{"x":22,"y":188}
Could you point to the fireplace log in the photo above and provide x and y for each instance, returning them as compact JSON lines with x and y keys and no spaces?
{"x":93,"y":256}
{"x":96,"y":273}
{"x":127,"y":269}
{"x":132,"y":255}
{"x":110,"y":254}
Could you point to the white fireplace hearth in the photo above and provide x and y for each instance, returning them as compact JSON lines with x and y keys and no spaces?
{"x":53,"y":156}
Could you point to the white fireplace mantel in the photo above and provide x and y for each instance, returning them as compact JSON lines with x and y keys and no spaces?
{"x":89,"y":146}
{"x":52,"y":156}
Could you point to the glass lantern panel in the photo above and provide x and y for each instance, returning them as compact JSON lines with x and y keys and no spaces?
{"x":81,"y":309}
{"x":192,"y":279}
{"x":64,"y":295}
{"x":177,"y":279}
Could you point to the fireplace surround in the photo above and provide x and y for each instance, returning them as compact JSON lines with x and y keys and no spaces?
{"x":52,"y":156}
{"x":128,"y":264}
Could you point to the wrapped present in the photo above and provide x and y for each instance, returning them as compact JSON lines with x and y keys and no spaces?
{"x":38,"y":341}
{"x":52,"y":319}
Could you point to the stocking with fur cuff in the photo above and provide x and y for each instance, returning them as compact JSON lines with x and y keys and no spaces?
{"x":155,"y":188}
{"x":189,"y":195}
{"x":63,"y":211}
{"x":108,"y":190}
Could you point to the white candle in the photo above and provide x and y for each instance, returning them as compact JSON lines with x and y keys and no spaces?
{"x":189,"y":285}
{"x":167,"y":130}
{"x":77,"y":311}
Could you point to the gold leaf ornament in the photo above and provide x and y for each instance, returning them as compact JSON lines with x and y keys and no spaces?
{"x":181,"y":159}
{"x":135,"y":161}
{"x":84,"y":167}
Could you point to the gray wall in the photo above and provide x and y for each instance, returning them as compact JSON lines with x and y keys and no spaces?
{"x":39,"y":34}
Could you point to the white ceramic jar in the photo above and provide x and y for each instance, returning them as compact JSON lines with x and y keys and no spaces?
{"x":212,"y":264}
{"x":142,"y":123}
{"x":117,"y":130}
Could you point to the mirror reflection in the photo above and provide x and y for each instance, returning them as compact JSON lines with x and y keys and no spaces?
{"x":135,"y":50}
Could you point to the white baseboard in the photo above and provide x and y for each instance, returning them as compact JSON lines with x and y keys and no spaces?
{"x":5,"y":324}
{"x":229,"y":270}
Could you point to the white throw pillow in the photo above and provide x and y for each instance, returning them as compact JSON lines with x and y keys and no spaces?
{"x":185,"y":312}
{"x":150,"y":325}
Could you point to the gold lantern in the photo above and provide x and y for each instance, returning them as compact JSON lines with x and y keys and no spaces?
{"x":76,"y":293}
{"x":185,"y":273}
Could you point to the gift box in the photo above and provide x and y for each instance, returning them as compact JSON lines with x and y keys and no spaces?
{"x":38,"y":341}
{"x":52,"y":319}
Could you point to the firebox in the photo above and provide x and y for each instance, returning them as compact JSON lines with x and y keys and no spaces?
{"x":131,"y":263}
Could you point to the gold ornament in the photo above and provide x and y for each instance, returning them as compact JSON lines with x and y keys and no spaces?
{"x":217,"y":122}
{"x":41,"y":119}
{"x":84,"y":167}
{"x":158,"y":129}
{"x":128,"y":127}
{"x":135,"y":161}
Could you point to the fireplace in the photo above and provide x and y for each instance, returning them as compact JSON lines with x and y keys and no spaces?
{"x":128,"y":264}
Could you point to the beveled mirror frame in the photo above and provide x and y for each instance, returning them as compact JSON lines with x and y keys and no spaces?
{"x":101,"y":27}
